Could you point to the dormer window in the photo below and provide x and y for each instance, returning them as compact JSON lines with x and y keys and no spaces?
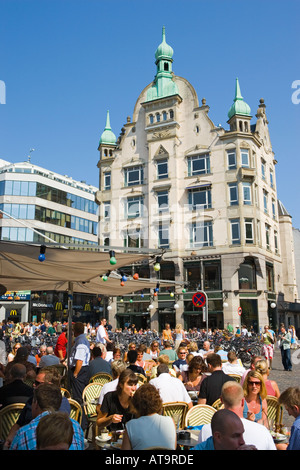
{"x":166,"y":66}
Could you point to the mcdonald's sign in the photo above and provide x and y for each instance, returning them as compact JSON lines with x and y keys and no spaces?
{"x":87,"y":308}
{"x":13,"y":313}
{"x":58,"y":306}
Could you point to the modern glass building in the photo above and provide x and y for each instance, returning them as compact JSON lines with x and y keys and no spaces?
{"x":37,"y":205}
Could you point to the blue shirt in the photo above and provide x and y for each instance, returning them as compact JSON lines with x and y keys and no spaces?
{"x":25,"y":437}
{"x":205,"y":445}
{"x":294,"y":443}
{"x":80,"y":351}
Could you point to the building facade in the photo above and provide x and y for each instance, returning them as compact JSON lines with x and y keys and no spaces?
{"x":207,"y":196}
{"x":38,"y":206}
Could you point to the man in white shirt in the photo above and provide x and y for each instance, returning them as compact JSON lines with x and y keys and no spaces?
{"x":256,"y":434}
{"x":170,"y":388}
{"x":233,"y":366}
{"x":102,"y":335}
{"x":206,"y":350}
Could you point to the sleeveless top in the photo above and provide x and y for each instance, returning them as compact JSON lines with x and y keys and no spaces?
{"x":151,"y":431}
{"x":258,"y":415}
{"x":270,"y":389}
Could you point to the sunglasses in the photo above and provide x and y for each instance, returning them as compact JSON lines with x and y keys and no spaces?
{"x":257,"y":384}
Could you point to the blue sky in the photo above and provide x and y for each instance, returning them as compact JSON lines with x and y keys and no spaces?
{"x":65,"y":62}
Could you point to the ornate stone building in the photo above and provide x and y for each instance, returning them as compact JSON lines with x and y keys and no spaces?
{"x":205,"y":194}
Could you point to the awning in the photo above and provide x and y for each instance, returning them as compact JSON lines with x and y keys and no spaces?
{"x":198,"y":185}
{"x":20,"y":269}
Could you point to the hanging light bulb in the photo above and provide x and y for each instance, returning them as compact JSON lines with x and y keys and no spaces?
{"x":109,"y":307}
{"x":156,"y":267}
{"x":176,"y":306}
{"x":122,"y":299}
{"x":142,"y":295}
{"x":157,"y":287}
{"x":124,"y":278}
{"x":112,"y":257}
{"x":131,"y":299}
{"x":135,"y":276}
{"x":150,"y":307}
{"x":42,"y":253}
{"x":122,"y":283}
{"x":104,"y":277}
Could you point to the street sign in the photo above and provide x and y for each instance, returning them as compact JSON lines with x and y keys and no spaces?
{"x":199,"y":299}
{"x":240,"y":311}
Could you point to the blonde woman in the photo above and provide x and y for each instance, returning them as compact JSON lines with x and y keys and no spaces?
{"x":271,"y":386}
{"x":179,"y":335}
{"x":13,"y":352}
{"x":255,"y":392}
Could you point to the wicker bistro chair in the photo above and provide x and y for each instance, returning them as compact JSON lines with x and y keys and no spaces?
{"x":76,"y":410}
{"x":236,"y":377}
{"x":141,"y":379}
{"x":8,"y":417}
{"x":199,"y":414}
{"x":65,"y":392}
{"x":100,"y":378}
{"x":177,"y":410}
{"x":218,"y":405}
{"x":90,"y":397}
{"x":274,"y":411}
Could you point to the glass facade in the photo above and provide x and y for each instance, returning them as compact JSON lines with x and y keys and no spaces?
{"x":34,"y":212}
{"x":36,"y":189}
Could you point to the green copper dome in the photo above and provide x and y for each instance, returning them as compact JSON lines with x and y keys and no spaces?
{"x":163,"y":84}
{"x":108,"y":137}
{"x":239,"y":105}
{"x":164,"y":51}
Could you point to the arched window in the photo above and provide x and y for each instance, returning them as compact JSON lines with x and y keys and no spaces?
{"x":165,"y":116}
{"x":151,"y":118}
{"x":171,"y":114}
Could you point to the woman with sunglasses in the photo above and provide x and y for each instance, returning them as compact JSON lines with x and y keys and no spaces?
{"x":154,"y":350}
{"x":255,"y":392}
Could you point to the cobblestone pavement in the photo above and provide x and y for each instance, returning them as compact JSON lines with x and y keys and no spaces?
{"x":286,"y":379}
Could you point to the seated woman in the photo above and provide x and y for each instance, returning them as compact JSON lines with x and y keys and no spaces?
{"x":272,"y":387}
{"x":131,"y":347}
{"x":192,"y":378}
{"x":150,"y":428}
{"x":116,"y":407}
{"x":139,"y":360}
{"x":255,"y":407}
{"x":153,"y":350}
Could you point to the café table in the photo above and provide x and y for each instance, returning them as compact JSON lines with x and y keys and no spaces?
{"x":187,"y":438}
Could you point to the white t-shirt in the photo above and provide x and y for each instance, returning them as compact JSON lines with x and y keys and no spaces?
{"x":229,"y":368}
{"x":101,"y":334}
{"x":108,"y":387}
{"x":255,"y":434}
{"x":170,"y":388}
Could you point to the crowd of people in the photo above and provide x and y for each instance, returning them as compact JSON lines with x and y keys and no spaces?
{"x":173,"y":368}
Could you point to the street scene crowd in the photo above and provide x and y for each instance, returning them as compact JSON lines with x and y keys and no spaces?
{"x":227,"y":372}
